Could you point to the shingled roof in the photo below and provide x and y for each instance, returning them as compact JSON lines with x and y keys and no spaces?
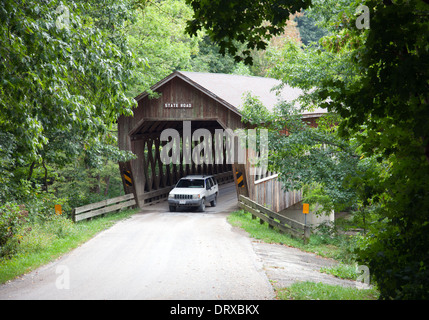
{"x":229,"y":89}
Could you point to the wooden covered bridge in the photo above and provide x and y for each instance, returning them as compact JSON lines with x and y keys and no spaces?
{"x":198,"y":107}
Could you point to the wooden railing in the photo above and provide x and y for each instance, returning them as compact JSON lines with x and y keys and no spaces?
{"x":275,"y":220}
{"x":103,"y":207}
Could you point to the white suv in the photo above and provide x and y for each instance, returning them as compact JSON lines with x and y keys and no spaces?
{"x":194,"y":191}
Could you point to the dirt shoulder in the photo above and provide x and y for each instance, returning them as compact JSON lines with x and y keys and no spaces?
{"x":285,"y":265}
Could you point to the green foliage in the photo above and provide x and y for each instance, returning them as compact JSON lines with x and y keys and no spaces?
{"x":7,"y":148}
{"x":40,"y":236}
{"x":12,"y":218}
{"x":308,"y":30}
{"x":65,"y":67}
{"x":397,"y":253}
{"x":62,"y":84}
{"x":376,"y":79}
{"x":391,"y":98}
{"x":253,"y":111}
{"x":227,"y":23}
{"x":157,"y":38}
{"x":311,"y":157}
{"x":343,"y":271}
{"x":323,"y":243}
{"x":209,"y":58}
{"x":42,"y":242}
{"x":83,"y":186}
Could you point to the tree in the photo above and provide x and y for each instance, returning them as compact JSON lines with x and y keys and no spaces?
{"x":209,"y":58}
{"x":388,"y":94}
{"x":64,"y":68}
{"x":229,"y":23}
{"x":311,"y":155}
{"x":376,"y":79}
{"x":158,"y":39}
{"x":308,"y":29}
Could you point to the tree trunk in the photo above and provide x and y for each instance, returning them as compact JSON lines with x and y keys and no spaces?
{"x":46,"y":175}
{"x":107,"y":180}
{"x":427,"y":152}
{"x":30,"y":173}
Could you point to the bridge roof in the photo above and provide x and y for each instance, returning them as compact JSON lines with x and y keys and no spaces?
{"x":229,"y":89}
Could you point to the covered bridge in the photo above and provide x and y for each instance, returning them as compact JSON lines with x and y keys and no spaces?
{"x":192,"y":105}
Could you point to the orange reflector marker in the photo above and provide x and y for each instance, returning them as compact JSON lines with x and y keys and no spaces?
{"x":58,"y":209}
{"x":305,"y":208}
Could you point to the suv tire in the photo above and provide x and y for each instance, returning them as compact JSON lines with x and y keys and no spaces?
{"x":214,"y":201}
{"x":172,"y":209}
{"x":202,"y":206}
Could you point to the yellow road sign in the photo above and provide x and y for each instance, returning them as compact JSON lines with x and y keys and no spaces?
{"x":127,"y":177}
{"x":240,"y":181}
{"x":58,"y":209}
{"x":305,"y":208}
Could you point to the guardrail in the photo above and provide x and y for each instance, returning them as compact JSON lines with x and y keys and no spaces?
{"x":103,"y":207}
{"x":284,"y":224}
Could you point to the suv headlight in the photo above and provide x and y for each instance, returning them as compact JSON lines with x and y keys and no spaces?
{"x":170,"y":196}
{"x":196,"y":196}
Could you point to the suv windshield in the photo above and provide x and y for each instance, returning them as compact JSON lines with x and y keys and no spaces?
{"x":187,"y":183}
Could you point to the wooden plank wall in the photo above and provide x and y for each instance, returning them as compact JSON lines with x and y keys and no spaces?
{"x":269,"y":193}
{"x":266,"y":189}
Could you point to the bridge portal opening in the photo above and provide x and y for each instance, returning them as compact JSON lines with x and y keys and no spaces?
{"x":169,"y":150}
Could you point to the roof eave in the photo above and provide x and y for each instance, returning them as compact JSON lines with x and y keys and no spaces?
{"x":193,"y":84}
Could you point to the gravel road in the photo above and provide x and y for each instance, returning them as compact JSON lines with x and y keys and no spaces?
{"x":181,"y":255}
{"x":156,"y":254}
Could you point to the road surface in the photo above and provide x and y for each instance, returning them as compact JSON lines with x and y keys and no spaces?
{"x":184,"y":255}
{"x":156,"y":254}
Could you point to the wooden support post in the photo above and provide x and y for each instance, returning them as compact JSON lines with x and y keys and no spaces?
{"x":307,"y":234}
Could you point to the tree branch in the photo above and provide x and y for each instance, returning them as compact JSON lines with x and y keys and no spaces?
{"x":30,"y":173}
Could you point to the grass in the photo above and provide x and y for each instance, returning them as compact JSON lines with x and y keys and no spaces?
{"x":262,"y":232}
{"x":51,"y":239}
{"x":322,"y":244}
{"x":343,"y":271}
{"x":321,"y":291}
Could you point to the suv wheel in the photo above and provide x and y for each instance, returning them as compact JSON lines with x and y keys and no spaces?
{"x":172,"y":208}
{"x":202,"y":206}
{"x":213,"y":202}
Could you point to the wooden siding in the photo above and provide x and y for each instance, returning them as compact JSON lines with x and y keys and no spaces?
{"x":204,"y":108}
{"x":141,"y":134}
{"x":266,"y":189}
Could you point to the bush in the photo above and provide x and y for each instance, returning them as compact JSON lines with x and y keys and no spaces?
{"x":330,"y":234}
{"x":42,"y":235}
{"x":59,"y":226}
{"x":18,"y":221}
{"x":40,"y":204}
{"x":12,"y":219}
